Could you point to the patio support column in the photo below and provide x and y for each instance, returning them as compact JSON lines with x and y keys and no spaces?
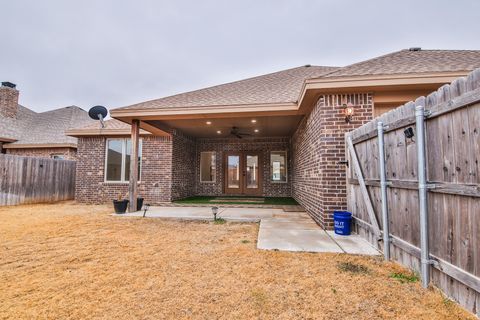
{"x":133,"y":183}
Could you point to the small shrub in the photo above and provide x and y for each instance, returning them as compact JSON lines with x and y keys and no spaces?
{"x":245,"y":241}
{"x":353,"y":268}
{"x":220,"y":221}
{"x":402,"y":277}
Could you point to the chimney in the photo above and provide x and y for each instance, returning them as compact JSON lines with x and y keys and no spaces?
{"x":8,"y":100}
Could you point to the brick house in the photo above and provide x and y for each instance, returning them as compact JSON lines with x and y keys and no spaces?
{"x":27,"y":133}
{"x":280,"y":134}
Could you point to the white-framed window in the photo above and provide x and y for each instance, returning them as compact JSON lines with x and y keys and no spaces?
{"x":58,"y":156}
{"x":278,"y":166}
{"x":208,"y":168}
{"x":117,"y":160}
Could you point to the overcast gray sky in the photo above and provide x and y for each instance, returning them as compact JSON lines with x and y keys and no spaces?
{"x":116,"y":53}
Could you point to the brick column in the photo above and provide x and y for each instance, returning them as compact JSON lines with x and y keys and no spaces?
{"x":319,"y":182}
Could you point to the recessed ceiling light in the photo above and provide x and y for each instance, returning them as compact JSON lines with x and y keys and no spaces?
{"x":253,"y":120}
{"x":256,"y":130}
{"x":219,"y":132}
{"x":208,"y":122}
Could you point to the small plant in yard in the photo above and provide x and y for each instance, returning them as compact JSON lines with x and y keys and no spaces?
{"x":352,"y":267}
{"x":245,"y":241}
{"x":402,"y":277}
{"x":219,"y":221}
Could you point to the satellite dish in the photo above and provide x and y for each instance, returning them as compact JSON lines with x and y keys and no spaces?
{"x":98,"y":113}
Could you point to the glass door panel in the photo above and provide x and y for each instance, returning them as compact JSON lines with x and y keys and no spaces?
{"x":251,"y":171}
{"x":233,"y":172}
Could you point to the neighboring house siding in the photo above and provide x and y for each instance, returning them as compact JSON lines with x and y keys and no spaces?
{"x":264,"y":145}
{"x":155,"y":185}
{"x":183,"y":166}
{"x":318,"y":145}
{"x":67,"y":153}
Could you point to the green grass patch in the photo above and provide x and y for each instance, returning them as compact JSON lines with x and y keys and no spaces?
{"x":353,"y":268}
{"x":211,"y":200}
{"x":403,"y":278}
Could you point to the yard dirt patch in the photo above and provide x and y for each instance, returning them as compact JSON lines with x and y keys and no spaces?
{"x":68,"y":261}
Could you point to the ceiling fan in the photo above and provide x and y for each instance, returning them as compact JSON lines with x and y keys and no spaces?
{"x":235,"y":131}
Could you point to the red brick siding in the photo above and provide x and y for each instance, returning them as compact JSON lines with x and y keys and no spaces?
{"x":68,"y":153}
{"x":183,"y":166}
{"x":155,"y":185}
{"x":318,"y":145}
{"x":264,"y":145}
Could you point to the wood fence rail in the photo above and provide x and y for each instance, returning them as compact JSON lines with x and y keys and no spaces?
{"x":34,"y":180}
{"x":452,"y":138}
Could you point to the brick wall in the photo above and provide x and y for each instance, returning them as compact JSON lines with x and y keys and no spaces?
{"x":67,"y":153}
{"x":8,"y":102}
{"x":264,"y":145}
{"x":156,"y":177}
{"x":318,"y":181}
{"x":183,"y":166}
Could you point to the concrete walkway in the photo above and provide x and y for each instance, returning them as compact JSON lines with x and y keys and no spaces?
{"x":279,"y":230}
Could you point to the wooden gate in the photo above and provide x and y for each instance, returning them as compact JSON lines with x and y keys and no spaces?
{"x":452,"y":133}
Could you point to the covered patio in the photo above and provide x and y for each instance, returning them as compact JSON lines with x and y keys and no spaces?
{"x":226,"y":154}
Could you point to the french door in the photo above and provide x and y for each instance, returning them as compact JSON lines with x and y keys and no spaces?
{"x":243,"y":173}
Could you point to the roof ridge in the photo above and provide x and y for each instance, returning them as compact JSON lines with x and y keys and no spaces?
{"x":61,"y":108}
{"x":357,"y":63}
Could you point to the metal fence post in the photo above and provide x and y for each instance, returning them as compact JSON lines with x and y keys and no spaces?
{"x":383,"y":185}
{"x":422,"y":194}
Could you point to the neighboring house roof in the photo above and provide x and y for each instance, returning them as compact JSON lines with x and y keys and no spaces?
{"x":412,"y":61}
{"x":32,"y":129}
{"x":274,"y":88}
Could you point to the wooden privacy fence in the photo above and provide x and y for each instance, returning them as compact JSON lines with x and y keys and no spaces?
{"x":34,"y":180}
{"x":452,"y":144}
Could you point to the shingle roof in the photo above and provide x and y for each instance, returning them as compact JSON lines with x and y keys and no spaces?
{"x":279,"y":87}
{"x":48,"y":127}
{"x":113,"y":124}
{"x":408,"y":61}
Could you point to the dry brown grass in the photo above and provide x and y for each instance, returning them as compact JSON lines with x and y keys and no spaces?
{"x":77,"y":262}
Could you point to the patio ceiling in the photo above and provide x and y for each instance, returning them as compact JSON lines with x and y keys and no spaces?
{"x":261,"y":126}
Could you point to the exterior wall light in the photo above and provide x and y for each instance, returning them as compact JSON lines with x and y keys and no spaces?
{"x":209,"y":122}
{"x":409,"y":133}
{"x":254,"y":120}
{"x":348,"y":111}
{"x":256,"y":130}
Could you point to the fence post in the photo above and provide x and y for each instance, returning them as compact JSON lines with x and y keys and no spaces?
{"x":383,"y":185}
{"x":422,"y":195}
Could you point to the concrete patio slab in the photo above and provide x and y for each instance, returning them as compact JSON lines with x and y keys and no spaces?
{"x":279,"y":230}
{"x":353,"y":244}
{"x":298,"y":239}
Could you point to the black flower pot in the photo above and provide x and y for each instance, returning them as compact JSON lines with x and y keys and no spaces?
{"x":120,"y":206}
{"x":139,"y":204}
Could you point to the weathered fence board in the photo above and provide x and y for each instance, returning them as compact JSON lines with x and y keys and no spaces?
{"x":34,"y":180}
{"x":452,"y":129}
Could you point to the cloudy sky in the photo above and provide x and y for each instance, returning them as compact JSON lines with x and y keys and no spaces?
{"x":116,"y":53}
